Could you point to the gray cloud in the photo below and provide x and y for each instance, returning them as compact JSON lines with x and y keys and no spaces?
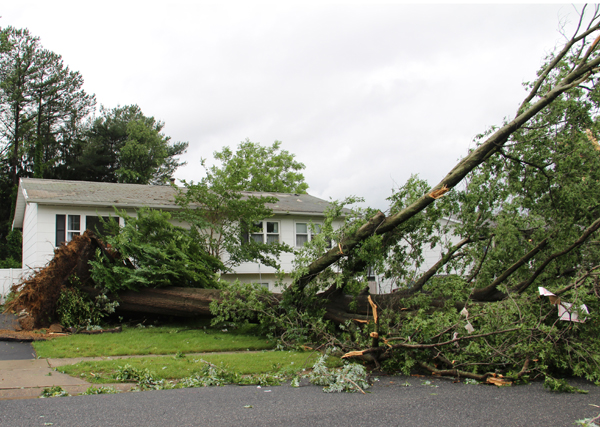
{"x":364,"y":95}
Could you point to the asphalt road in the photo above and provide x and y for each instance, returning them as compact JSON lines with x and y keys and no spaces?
{"x":13,"y":350}
{"x":390,"y":402}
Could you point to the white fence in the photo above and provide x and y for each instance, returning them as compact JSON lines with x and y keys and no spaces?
{"x":9,"y":277}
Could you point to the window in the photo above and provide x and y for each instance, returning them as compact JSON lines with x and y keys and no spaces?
{"x":265,"y":232}
{"x":68,"y":226}
{"x":99,"y":227}
{"x":371,"y":274}
{"x":304,"y":232}
{"x":73,"y":226}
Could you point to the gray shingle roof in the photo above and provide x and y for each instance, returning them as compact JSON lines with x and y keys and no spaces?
{"x":104,"y":194}
{"x":56,"y":192}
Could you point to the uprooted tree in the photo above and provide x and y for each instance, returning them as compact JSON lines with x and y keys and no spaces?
{"x":526,"y":204}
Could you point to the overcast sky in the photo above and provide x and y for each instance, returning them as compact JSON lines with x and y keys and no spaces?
{"x":363,"y":94}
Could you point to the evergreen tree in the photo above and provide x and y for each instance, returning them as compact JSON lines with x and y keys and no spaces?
{"x":124,"y":145}
{"x":42,"y":107}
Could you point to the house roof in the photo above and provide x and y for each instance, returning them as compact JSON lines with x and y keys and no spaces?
{"x":107,"y":194}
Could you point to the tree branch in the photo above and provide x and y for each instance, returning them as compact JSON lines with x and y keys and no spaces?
{"x":484,"y":294}
{"x":379,"y":224}
{"x":443,"y":261}
{"x":521,"y":287}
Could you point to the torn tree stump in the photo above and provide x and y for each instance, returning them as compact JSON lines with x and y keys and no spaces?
{"x":39,"y":293}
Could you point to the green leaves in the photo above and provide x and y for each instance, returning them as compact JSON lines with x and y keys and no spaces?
{"x":222,"y":213}
{"x":77,"y":309}
{"x":151,"y":252}
{"x":351,"y":378}
{"x":124,"y":145}
{"x":256,"y":168}
{"x":42,"y":106}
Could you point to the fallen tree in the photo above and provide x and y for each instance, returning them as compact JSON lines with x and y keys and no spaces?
{"x":526,"y":211}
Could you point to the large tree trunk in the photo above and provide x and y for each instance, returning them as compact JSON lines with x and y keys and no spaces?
{"x":173,"y":301}
{"x":191,"y":302}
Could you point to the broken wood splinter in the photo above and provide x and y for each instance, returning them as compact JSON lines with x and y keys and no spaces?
{"x":353,"y":354}
{"x":436,"y":194}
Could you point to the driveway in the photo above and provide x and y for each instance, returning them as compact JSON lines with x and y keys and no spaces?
{"x":14,"y":350}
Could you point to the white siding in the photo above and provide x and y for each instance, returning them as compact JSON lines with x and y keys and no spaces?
{"x":287,"y":234}
{"x":435,"y":254}
{"x":40,"y":237}
{"x":268,"y":279}
{"x":30,"y":235}
{"x":430,"y":255}
{"x":251,"y":272}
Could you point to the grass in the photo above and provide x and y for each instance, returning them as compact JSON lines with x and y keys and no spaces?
{"x":193,"y":337}
{"x":176,"y":340}
{"x":266,"y":362}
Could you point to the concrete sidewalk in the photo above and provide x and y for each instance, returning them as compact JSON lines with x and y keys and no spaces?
{"x":26,"y":379}
{"x":23,"y":376}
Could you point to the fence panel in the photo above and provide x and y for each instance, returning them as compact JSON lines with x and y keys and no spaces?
{"x":9,"y":277}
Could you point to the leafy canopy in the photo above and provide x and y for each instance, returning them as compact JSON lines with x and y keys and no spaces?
{"x":42,"y":107}
{"x":124,"y":145}
{"x":223,"y":211}
{"x":256,"y":168}
{"x":151,"y":252}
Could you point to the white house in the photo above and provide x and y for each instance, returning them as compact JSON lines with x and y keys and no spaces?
{"x":50,"y":212}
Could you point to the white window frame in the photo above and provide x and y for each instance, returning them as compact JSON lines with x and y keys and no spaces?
{"x":309,"y":231}
{"x":265,"y":233}
{"x":72,"y":231}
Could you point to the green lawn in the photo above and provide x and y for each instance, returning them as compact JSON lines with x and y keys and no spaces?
{"x":170,"y":367}
{"x":253,"y":355}
{"x":184,"y":338}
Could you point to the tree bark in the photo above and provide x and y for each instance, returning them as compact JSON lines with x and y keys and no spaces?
{"x":173,"y":301}
{"x":190,"y":302}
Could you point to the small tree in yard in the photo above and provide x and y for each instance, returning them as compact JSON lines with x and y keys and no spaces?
{"x":222,"y":210}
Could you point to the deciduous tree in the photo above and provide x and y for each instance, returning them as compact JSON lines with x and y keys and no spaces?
{"x":224,"y":207}
{"x":253,"y":167}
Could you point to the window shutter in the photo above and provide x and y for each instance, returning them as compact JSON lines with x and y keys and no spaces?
{"x":61,"y":223}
